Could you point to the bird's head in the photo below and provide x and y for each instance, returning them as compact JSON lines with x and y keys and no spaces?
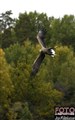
{"x":51,"y":52}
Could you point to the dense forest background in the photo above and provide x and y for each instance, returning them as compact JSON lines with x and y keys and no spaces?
{"x":33,"y":98}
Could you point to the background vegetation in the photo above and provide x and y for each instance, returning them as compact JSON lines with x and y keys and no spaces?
{"x":33,"y":98}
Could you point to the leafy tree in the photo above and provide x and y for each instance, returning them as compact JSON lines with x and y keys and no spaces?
{"x":29,"y":89}
{"x":27,"y":26}
{"x":6,"y":21}
{"x":6,"y":86}
{"x":42,"y":98}
{"x":5,"y":79}
{"x":62,"y":73}
{"x":6,"y":29}
{"x":20,"y":59}
{"x":55,"y":31}
{"x":19,"y":111}
{"x":34,"y":98}
{"x":63,"y":30}
{"x":68,"y":28}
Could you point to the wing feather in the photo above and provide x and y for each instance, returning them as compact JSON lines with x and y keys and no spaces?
{"x":37,"y":63}
{"x":41,"y":40}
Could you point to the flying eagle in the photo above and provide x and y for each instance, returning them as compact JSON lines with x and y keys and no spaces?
{"x":44,"y":50}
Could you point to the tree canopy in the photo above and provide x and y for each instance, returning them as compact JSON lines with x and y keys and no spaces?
{"x":23,"y":97}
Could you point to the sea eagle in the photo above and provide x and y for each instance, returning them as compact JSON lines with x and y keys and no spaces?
{"x":44,"y":50}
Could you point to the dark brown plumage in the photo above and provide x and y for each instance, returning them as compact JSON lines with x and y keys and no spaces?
{"x":37,"y":63}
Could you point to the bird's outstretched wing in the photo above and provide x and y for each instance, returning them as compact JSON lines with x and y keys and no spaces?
{"x":37,"y":63}
{"x":41,"y":40}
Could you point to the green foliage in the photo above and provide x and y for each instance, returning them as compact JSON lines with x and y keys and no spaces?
{"x":63,"y":73}
{"x":6,"y":29}
{"x":6,"y":21}
{"x":29,"y":89}
{"x":24,"y":97}
{"x":5,"y":78}
{"x":6,"y":86}
{"x":66,"y":80}
{"x":19,"y":111}
{"x":42,"y":98}
{"x":63,"y":30}
{"x":50,"y":87}
{"x":27,"y":26}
